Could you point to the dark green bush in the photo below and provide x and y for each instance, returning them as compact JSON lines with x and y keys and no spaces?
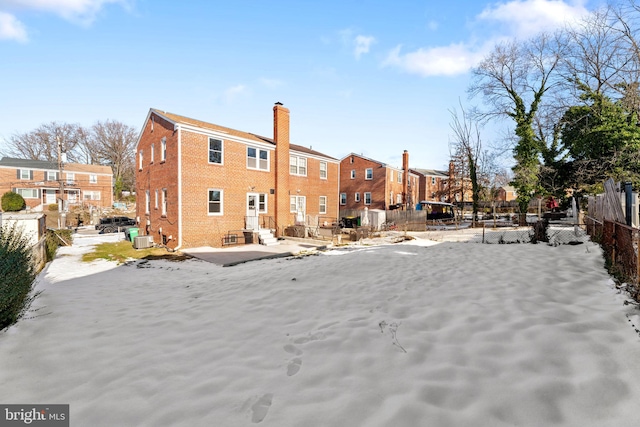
{"x":55,"y":239}
{"x":12,"y":202}
{"x":17,"y":275}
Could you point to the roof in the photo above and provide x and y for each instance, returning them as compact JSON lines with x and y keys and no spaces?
{"x":176,"y":118}
{"x":42,"y":164}
{"x":27,"y":163}
{"x":431,"y":172}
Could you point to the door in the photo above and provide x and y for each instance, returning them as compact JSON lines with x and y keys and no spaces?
{"x":252,"y":211}
{"x":50,"y":197}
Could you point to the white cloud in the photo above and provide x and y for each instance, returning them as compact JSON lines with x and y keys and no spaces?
{"x":432,"y":25}
{"x":235,"y":92}
{"x":436,"y":61}
{"x":82,"y":12}
{"x":363,"y":44}
{"x":11,"y":28}
{"x":516,"y":18}
{"x":526,"y":18}
{"x":271,"y":83}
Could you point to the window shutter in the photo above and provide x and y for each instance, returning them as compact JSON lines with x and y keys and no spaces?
{"x":18,"y":173}
{"x":57,"y":176}
{"x":31,"y":175}
{"x":45,"y":176}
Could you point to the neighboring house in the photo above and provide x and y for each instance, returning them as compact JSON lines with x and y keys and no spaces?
{"x":40,"y":183}
{"x":198,"y":184}
{"x":432,"y":184}
{"x":457,"y":187}
{"x":365,"y":182}
{"x":506,"y":193}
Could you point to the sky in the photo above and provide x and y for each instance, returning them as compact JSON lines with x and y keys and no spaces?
{"x":371,"y":77}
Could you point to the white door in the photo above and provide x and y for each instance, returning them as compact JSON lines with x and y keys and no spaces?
{"x":252,"y":211}
{"x":50,"y":196}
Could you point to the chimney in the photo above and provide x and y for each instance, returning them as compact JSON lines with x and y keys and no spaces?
{"x":281,"y":138}
{"x":405,"y":181}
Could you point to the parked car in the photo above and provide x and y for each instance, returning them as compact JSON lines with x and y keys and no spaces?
{"x":114,"y":223}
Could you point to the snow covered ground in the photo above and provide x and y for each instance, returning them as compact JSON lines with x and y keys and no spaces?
{"x":411,"y":334}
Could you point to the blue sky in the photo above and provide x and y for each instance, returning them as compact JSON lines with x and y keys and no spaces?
{"x":372,"y":77}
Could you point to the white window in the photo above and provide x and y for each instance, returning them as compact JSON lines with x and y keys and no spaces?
{"x":147,"y":202}
{"x":368,"y":174}
{"x":391,"y":176}
{"x":71,"y":177}
{"x":140,"y":160}
{"x":357,"y":197}
{"x":91,"y":195}
{"x":93,"y":178}
{"x":343,"y":198}
{"x":353,"y":174}
{"x":297,"y":203}
{"x":155,"y":204}
{"x":398,"y":198}
{"x":164,"y":202}
{"x":152,"y":152}
{"x":51,"y":176}
{"x":163,"y":149}
{"x":215,"y":151}
{"x":25,"y":174}
{"x":367,"y":198}
{"x":28,"y":193}
{"x":323,"y":170}
{"x":257,"y":159}
{"x":298,"y":165}
{"x":215,"y":202}
{"x":400,"y":177}
{"x":323,"y":205}
{"x":262,"y":203}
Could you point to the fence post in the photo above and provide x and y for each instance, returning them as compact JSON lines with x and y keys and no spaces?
{"x":483,"y":228}
{"x":613,"y":245}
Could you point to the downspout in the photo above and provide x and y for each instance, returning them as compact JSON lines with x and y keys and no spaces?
{"x":179,"y":189}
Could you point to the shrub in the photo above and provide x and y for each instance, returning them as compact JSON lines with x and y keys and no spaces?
{"x":17,"y":275}
{"x":53,"y":207}
{"x":55,"y":239}
{"x":12,"y":202}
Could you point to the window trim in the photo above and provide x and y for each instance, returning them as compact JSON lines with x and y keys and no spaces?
{"x":164,"y":202}
{"x":93,"y":178}
{"x":368,"y":174}
{"x":156,"y":200}
{"x":357,"y":197}
{"x":297,"y":198}
{"x":343,"y":199}
{"x":153,"y":149}
{"x":147,"y":202}
{"x":297,"y":166}
{"x":221,"y":151}
{"x":324,"y":167}
{"x":70,"y":178}
{"x":365,"y":198}
{"x":33,"y":190}
{"x":140,"y":157}
{"x":221,"y":202}
{"x":258,"y":158}
{"x":163,"y":149}
{"x":353,"y":174}
{"x":320,"y":205}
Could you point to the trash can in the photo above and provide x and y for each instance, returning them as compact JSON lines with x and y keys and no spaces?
{"x":133,"y":233}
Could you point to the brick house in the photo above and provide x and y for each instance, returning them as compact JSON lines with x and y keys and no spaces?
{"x":201,"y":184}
{"x":506,"y":193}
{"x":432,"y":184}
{"x":365,"y":182}
{"x":40,"y":183}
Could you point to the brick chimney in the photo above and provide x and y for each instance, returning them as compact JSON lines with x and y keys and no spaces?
{"x":281,"y":138}
{"x":405,"y":181}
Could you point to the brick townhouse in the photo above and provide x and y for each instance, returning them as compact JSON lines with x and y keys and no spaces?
{"x":40,"y":183}
{"x":201,"y":184}
{"x":432,"y":184}
{"x":365,"y":182}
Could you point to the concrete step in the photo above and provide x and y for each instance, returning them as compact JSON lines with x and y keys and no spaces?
{"x":266,"y":238}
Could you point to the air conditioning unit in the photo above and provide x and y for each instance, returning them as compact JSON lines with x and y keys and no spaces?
{"x":142,"y":242}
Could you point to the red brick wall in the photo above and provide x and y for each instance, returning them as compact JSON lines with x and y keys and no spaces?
{"x":379,"y":186}
{"x":156,"y":176}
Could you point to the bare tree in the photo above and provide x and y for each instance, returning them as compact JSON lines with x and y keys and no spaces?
{"x":42,"y":143}
{"x":112,"y":143}
{"x":466,"y":151}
